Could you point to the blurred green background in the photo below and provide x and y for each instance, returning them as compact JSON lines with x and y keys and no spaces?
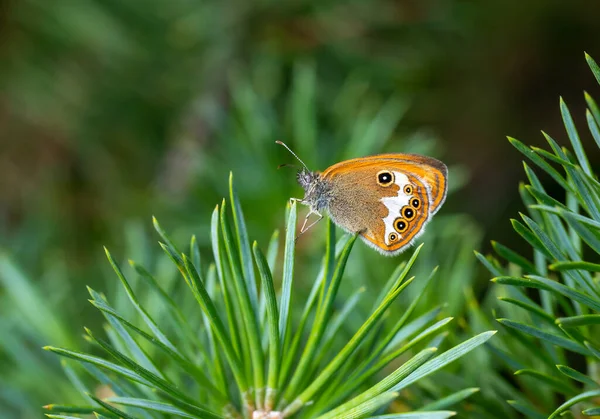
{"x":113,"y":111}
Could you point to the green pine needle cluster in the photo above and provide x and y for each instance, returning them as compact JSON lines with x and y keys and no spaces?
{"x":551,"y":306}
{"x":242,"y":355}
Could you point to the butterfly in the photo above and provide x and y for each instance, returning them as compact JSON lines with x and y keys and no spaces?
{"x":387,"y":199}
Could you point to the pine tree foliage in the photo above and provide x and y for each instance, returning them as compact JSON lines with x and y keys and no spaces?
{"x":239,"y":353}
{"x":551,"y":305}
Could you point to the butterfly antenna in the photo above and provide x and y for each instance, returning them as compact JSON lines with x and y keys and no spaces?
{"x":293,"y":154}
{"x":287,"y":165}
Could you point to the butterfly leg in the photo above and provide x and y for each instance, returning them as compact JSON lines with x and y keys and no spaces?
{"x":297,"y":200}
{"x":304,"y":228}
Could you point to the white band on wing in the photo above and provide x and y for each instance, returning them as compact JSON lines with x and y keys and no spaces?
{"x":394,"y":205}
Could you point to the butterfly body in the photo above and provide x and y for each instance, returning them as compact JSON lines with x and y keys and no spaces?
{"x":387,"y":199}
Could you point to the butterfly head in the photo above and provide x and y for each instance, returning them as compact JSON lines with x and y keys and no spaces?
{"x":306,"y":178}
{"x":316,"y":190}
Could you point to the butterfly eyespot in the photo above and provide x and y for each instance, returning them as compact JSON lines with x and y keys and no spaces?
{"x":400,"y":225}
{"x":415,"y":203}
{"x":385,"y":178}
{"x":408,"y":213}
{"x":408,"y":189}
{"x":393,"y":237}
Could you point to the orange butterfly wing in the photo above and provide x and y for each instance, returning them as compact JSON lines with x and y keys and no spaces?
{"x":430,"y":170}
{"x":385,"y":215}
